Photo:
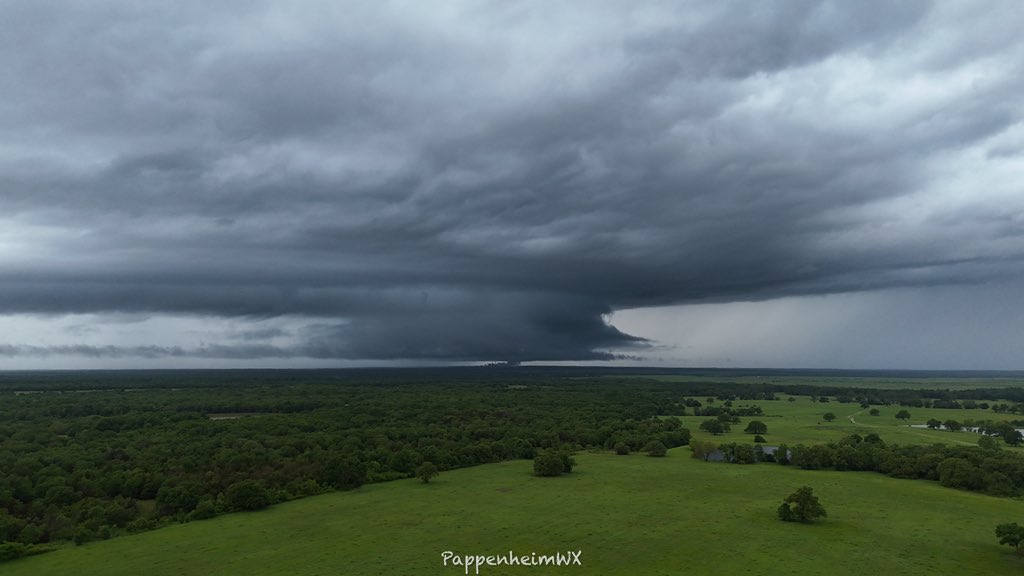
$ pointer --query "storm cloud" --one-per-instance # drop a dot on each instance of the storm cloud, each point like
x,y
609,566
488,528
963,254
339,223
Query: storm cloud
x,y
492,180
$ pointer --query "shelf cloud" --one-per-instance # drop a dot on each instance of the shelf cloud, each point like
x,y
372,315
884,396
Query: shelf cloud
x,y
463,181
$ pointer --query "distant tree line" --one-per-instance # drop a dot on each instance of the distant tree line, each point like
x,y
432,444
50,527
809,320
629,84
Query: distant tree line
x,y
991,471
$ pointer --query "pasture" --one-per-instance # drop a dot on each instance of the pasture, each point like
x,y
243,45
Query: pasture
x,y
801,421
627,514
879,381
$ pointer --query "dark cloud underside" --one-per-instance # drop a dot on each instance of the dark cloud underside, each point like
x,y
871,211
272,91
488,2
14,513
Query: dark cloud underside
x,y
488,182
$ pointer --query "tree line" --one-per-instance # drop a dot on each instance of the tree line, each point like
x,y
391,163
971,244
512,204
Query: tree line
x,y
988,470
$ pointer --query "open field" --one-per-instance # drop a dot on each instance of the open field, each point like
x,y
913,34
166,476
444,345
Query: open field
x,y
628,515
874,382
801,422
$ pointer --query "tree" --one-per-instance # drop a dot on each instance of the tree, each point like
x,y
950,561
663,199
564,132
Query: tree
x,y
426,471
988,443
181,498
934,423
852,439
829,416
782,454
1012,535
728,418
801,506
247,495
739,453
345,473
1013,437
655,448
759,439
205,509
30,534
874,412
547,463
702,449
568,462
903,415
714,426
622,449
756,427
1004,430
952,425
552,463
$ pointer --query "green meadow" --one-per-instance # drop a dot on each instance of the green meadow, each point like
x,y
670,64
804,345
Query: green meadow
x,y
627,514
873,382
801,421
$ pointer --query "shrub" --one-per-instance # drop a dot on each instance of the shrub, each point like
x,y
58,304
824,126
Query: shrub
x,y
426,471
552,463
12,550
205,509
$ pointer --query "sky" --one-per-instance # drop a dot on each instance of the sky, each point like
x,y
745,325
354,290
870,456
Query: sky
x,y
737,184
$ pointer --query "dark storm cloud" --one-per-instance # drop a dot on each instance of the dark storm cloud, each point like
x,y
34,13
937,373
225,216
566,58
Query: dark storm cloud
x,y
458,182
91,351
149,352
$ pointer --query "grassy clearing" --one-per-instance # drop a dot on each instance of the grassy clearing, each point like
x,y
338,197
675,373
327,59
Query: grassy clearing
x,y
628,514
801,422
867,382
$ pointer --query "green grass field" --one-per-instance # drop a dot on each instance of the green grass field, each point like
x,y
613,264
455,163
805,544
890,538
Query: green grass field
x,y
801,422
867,382
628,514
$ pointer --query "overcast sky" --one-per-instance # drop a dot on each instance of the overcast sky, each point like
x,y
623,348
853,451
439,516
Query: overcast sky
x,y
784,184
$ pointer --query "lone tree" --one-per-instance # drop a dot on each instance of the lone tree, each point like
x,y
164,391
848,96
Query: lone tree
x,y
426,471
829,416
805,506
552,463
874,412
903,415
1011,535
934,423
756,427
